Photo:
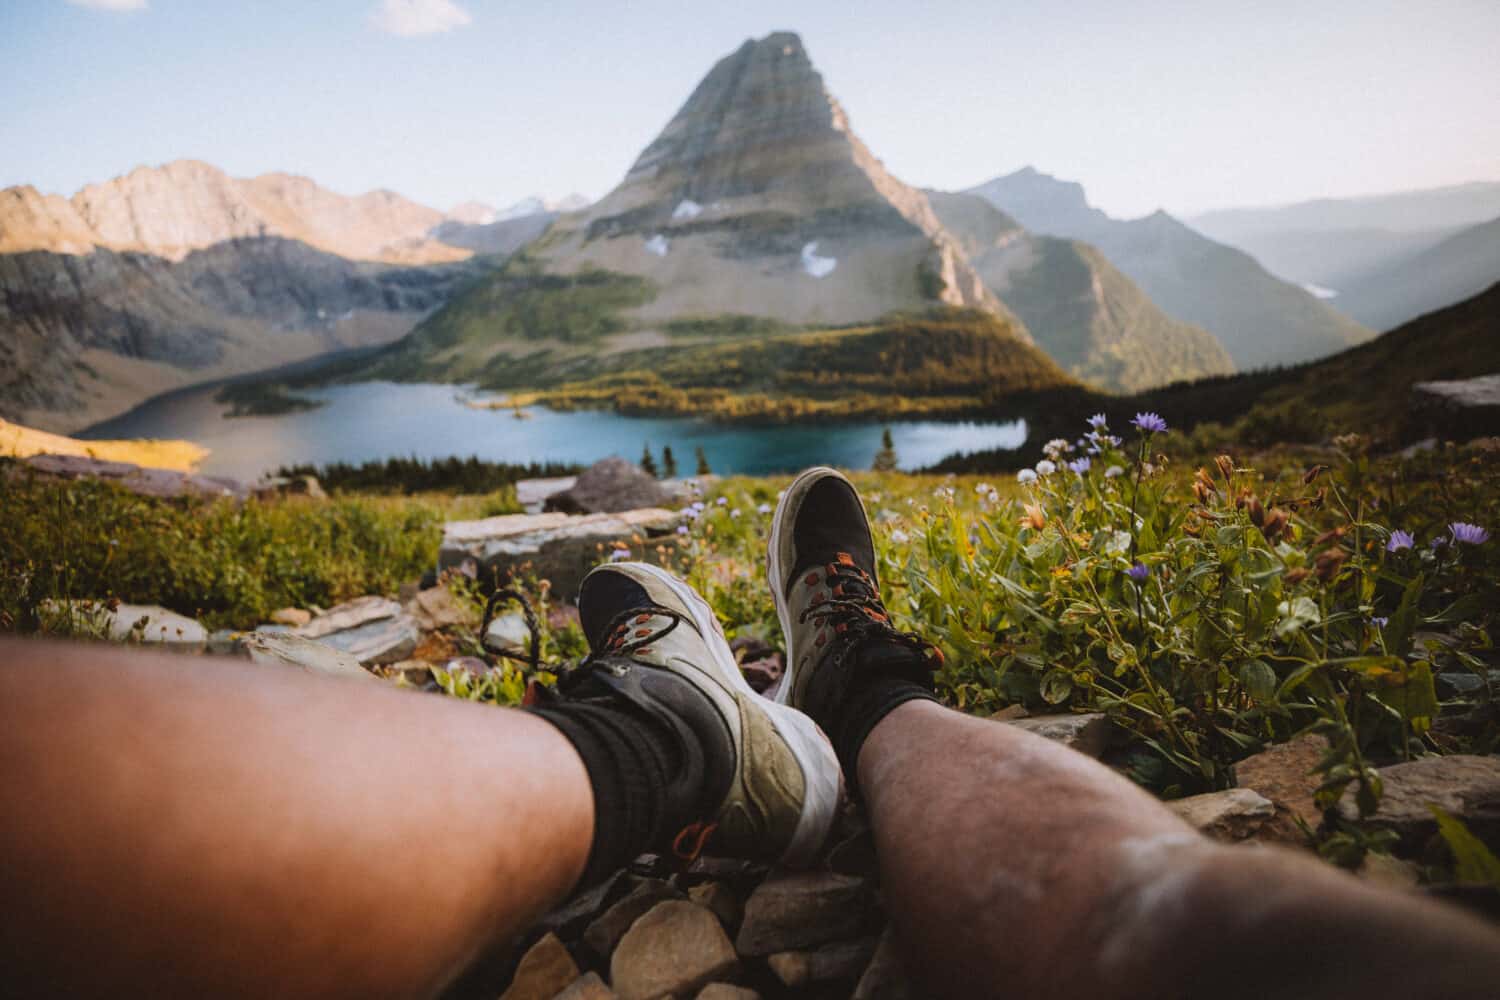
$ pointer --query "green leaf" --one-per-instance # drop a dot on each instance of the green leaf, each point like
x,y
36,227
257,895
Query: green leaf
x,y
1472,861
1057,686
1259,679
1398,632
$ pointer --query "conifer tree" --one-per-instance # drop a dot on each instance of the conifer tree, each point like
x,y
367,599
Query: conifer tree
x,y
648,463
703,469
885,458
668,462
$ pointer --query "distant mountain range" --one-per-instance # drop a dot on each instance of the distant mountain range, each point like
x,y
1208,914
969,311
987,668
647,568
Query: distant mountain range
x,y
1382,259
755,232
1260,319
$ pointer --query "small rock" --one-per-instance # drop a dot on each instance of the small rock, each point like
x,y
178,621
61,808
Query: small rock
x,y
413,672
508,633
561,616
385,640
727,991
140,480
226,642
844,960
289,486
1233,814
587,987
605,932
762,674
545,971
274,630
1284,774
309,654
156,625
609,485
1011,713
799,910
675,948
1393,873
1088,734
295,617
1465,786
437,607
885,977
532,493
720,900
350,614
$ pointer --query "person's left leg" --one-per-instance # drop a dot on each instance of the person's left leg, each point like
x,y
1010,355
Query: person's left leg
x,y
210,827
201,827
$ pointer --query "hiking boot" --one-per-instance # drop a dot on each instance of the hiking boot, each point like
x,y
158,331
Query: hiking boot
x,y
766,783
839,636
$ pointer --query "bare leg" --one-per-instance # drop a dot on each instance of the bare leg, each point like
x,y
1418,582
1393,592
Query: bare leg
x,y
212,828
1016,867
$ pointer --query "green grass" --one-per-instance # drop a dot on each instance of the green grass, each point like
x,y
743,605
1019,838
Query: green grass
x,y
262,399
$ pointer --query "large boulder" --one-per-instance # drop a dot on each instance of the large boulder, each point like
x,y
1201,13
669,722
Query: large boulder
x,y
672,950
1284,773
792,911
609,486
1233,814
145,623
1466,786
556,547
161,483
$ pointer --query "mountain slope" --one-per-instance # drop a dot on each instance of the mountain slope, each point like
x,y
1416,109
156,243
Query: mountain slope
x,y
1083,312
1331,241
179,274
1452,270
1259,319
756,201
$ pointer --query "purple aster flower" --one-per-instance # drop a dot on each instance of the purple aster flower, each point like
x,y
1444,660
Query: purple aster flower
x,y
764,508
1471,534
682,529
1380,622
722,501
619,555
1080,465
1138,572
1151,423
1399,540
1097,422
1438,542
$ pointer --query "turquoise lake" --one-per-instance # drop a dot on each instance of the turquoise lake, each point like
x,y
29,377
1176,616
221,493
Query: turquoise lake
x,y
377,420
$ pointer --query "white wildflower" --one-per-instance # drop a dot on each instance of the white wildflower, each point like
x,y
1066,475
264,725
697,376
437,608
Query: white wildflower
x,y
900,537
1113,471
1045,468
1026,477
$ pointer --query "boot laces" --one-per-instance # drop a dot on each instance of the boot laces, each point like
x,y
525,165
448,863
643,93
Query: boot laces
x,y
628,635
855,613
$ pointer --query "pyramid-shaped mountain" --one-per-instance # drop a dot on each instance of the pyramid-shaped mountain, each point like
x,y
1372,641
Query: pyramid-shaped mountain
x,y
756,209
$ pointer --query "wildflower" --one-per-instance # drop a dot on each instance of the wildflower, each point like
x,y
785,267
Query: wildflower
x,y
1025,477
1113,471
1097,422
1256,510
764,508
722,501
1138,572
689,513
1151,423
1399,540
682,529
1045,468
735,512
1380,621
1080,465
1056,447
993,496
1034,517
698,506
900,537
1295,576
1313,473
1470,534
620,555
1276,522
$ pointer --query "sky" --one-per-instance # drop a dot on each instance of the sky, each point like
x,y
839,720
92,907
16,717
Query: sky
x,y
1186,106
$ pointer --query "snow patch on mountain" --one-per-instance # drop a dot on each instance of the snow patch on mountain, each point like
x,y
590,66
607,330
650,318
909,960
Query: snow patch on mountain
x,y
658,244
818,267
687,208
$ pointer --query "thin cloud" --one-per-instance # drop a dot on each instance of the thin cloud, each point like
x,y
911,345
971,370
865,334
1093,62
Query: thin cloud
x,y
417,17
115,5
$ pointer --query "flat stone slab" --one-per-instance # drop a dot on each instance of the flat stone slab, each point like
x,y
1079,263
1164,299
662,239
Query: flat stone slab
x,y
1088,733
307,654
545,971
558,547
141,480
1465,786
1284,774
386,640
532,493
791,911
350,614
1233,814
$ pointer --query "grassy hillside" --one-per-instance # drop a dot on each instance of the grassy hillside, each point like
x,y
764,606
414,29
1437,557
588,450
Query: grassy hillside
x,y
950,362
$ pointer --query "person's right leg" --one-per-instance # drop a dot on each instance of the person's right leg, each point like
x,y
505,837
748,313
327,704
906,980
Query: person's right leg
x,y
1015,866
